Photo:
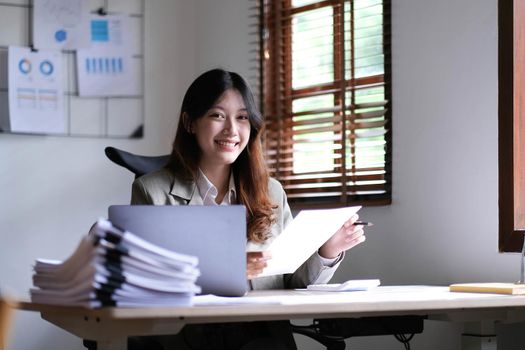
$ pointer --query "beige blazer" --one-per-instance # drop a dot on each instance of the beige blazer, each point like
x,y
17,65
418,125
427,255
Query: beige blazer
x,y
163,188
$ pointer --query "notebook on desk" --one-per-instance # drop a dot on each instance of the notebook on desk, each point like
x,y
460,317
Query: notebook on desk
x,y
215,234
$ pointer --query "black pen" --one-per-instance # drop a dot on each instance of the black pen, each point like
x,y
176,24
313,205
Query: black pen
x,y
363,223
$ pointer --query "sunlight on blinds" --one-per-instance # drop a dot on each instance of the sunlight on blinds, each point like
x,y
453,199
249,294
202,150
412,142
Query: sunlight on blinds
x,y
327,104
312,48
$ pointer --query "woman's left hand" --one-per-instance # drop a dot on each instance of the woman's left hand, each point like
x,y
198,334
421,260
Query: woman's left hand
x,y
347,237
255,263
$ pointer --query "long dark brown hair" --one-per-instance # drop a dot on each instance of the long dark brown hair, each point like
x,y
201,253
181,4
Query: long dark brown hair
x,y
249,170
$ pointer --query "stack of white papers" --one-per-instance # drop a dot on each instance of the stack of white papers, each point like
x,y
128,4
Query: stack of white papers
x,y
112,267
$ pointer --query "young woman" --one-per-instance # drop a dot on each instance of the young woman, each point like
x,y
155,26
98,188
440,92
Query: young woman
x,y
217,159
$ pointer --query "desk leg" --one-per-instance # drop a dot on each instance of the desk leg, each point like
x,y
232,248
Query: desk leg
x,y
114,344
479,336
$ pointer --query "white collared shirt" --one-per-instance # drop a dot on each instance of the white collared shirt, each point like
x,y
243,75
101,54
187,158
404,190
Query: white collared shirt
x,y
209,192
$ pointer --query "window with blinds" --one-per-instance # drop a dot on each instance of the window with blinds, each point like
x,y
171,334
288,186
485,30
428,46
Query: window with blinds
x,y
326,99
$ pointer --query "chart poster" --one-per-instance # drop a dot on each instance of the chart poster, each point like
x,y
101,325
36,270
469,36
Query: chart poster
x,y
61,24
36,96
105,68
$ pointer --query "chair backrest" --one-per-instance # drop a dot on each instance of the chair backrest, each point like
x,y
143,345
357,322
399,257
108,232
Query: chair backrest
x,y
137,164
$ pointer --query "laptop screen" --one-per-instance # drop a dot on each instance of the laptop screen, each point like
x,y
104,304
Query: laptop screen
x,y
215,234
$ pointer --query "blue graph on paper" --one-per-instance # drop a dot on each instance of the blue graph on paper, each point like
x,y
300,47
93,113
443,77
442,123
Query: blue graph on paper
x,y
104,65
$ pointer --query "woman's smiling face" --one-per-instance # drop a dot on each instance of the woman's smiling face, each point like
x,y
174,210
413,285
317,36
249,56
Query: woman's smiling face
x,y
223,132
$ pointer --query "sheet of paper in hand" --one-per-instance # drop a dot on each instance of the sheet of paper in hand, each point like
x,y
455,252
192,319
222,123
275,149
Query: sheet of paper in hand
x,y
309,230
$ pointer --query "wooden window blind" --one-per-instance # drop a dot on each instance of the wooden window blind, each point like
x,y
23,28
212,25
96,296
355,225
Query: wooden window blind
x,y
327,100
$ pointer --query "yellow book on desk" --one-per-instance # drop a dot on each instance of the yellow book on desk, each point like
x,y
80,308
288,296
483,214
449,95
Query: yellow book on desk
x,y
489,287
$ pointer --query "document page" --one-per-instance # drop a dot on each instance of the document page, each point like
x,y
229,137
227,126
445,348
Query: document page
x,y
303,236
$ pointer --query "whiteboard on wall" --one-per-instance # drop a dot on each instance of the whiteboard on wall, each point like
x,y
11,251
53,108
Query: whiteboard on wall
x,y
108,117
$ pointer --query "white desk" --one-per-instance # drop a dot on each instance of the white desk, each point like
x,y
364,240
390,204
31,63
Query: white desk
x,y
110,326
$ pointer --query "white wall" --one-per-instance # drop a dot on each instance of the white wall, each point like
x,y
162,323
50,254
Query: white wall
x,y
442,224
223,35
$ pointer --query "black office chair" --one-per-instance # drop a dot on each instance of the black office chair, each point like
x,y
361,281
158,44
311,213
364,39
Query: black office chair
x,y
329,332
332,332
138,165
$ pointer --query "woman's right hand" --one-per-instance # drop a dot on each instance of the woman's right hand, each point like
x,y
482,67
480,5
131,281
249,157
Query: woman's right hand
x,y
255,263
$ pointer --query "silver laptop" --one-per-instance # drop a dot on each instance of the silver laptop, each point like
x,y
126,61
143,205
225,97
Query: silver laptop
x,y
215,234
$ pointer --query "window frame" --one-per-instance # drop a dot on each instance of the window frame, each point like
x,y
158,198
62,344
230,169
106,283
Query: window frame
x,y
511,122
274,31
